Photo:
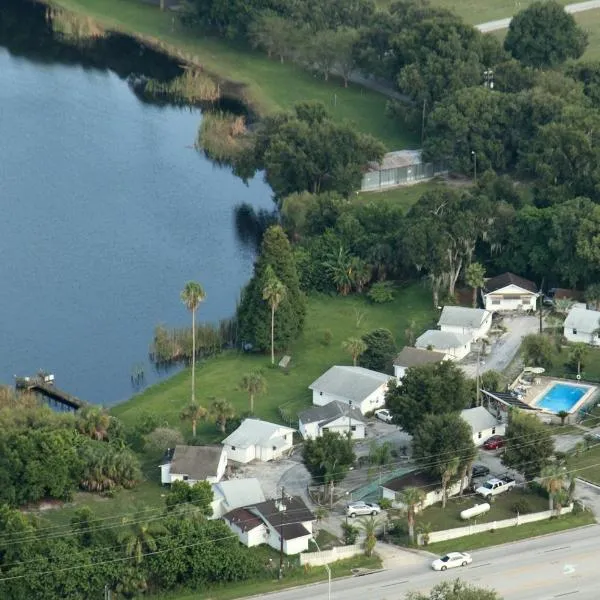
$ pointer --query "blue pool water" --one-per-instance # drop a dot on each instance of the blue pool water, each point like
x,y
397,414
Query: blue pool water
x,y
562,396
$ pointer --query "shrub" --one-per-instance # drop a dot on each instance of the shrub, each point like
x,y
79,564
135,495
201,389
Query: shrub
x,y
538,488
350,534
327,337
521,507
385,503
381,292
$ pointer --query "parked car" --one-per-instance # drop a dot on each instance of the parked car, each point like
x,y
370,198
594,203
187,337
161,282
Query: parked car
x,y
384,414
495,486
451,560
479,471
494,442
362,508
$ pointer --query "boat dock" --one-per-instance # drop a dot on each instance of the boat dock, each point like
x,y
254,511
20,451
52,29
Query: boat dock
x,y
43,384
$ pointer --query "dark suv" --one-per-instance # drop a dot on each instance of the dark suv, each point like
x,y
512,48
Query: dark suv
x,y
480,471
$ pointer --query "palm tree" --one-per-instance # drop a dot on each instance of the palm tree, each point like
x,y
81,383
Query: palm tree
x,y
360,273
339,266
139,538
553,477
410,333
191,296
562,415
355,347
475,278
93,422
274,292
466,466
450,470
194,413
413,499
592,295
369,526
253,383
221,411
563,305
577,355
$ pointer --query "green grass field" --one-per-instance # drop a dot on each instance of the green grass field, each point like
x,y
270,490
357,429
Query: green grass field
x,y
404,196
267,84
220,376
587,464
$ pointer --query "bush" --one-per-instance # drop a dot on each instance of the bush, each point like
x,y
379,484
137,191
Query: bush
x,y
538,488
327,337
385,503
381,292
350,534
521,507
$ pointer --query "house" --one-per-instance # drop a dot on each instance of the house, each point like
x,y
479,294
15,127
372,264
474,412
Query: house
x,y
402,167
483,424
363,388
270,521
430,485
454,345
415,357
235,493
335,416
258,440
474,322
509,292
582,325
193,464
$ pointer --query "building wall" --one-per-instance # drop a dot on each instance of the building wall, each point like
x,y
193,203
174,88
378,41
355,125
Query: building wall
x,y
341,426
296,545
581,336
254,537
321,398
479,437
241,455
388,178
165,473
399,373
432,497
459,352
308,431
475,333
374,400
510,297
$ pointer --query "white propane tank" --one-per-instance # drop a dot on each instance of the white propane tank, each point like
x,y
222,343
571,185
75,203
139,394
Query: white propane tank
x,y
478,509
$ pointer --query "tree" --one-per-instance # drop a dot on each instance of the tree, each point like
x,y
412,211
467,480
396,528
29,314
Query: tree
x,y
140,537
412,498
592,295
162,438
221,411
345,40
455,590
93,422
450,470
380,350
369,527
536,350
253,384
192,295
355,347
529,444
198,496
475,277
274,292
562,415
577,355
553,479
429,389
194,413
543,36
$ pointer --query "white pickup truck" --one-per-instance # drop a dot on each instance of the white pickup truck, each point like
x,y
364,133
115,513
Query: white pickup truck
x,y
493,487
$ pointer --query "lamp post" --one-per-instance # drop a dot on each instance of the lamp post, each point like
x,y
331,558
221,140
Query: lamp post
x,y
350,419
328,572
474,155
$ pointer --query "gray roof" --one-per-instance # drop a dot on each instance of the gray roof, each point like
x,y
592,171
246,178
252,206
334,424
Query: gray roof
x,y
478,418
441,340
288,521
197,462
415,357
254,432
462,316
239,492
330,412
349,383
582,319
501,281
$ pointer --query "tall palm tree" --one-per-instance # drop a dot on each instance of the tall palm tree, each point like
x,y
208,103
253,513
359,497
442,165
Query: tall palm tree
x,y
253,383
475,278
369,526
139,538
194,413
192,295
355,347
563,305
93,422
221,411
450,470
274,292
413,499
577,355
339,267
553,477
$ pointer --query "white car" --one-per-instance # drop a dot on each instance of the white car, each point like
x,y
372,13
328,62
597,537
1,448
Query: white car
x,y
384,414
362,508
451,560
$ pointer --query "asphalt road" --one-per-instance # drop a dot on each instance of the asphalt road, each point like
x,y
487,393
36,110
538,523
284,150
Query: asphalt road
x,y
564,565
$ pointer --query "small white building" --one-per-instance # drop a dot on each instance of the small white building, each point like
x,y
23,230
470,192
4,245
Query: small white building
x,y
193,464
415,357
258,440
337,417
430,485
474,322
509,292
363,388
454,345
235,493
250,529
582,325
483,424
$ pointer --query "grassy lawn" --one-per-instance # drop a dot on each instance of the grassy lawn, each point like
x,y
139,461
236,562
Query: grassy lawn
x,y
404,196
590,370
587,464
266,85
512,534
219,377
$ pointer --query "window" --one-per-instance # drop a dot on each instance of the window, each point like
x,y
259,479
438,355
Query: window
x,y
512,297
185,477
479,435
274,448
493,430
320,393
233,447
496,300
526,300
353,428
325,429
574,331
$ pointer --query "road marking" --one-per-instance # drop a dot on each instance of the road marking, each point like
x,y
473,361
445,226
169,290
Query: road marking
x,y
569,570
482,565
555,549
566,594
395,583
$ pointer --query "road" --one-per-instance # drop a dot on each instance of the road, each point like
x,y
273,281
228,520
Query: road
x,y
562,565
570,8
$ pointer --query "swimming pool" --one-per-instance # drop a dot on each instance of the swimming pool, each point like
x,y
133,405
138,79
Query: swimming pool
x,y
562,396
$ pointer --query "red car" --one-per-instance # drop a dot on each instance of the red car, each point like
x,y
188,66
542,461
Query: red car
x,y
493,443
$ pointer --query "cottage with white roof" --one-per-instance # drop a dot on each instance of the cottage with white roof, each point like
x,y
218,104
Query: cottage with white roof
x,y
336,417
483,424
234,493
454,345
474,322
582,325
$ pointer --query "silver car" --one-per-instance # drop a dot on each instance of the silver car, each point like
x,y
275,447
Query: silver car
x,y
354,509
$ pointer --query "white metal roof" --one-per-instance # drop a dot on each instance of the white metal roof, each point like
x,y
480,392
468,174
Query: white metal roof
x,y
254,432
463,316
239,492
582,319
441,340
349,383
478,418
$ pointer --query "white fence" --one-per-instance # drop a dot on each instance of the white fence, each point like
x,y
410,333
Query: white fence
x,y
450,534
328,556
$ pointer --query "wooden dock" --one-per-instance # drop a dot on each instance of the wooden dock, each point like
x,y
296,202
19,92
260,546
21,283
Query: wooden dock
x,y
44,385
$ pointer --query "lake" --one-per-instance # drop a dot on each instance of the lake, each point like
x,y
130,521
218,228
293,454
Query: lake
x,y
107,210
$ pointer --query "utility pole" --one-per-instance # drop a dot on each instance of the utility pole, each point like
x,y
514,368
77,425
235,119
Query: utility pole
x,y
540,300
281,533
349,420
423,121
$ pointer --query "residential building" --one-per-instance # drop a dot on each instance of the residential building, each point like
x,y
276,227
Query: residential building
x,y
194,463
474,322
582,325
483,424
363,388
337,417
415,357
258,440
235,493
509,292
454,345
